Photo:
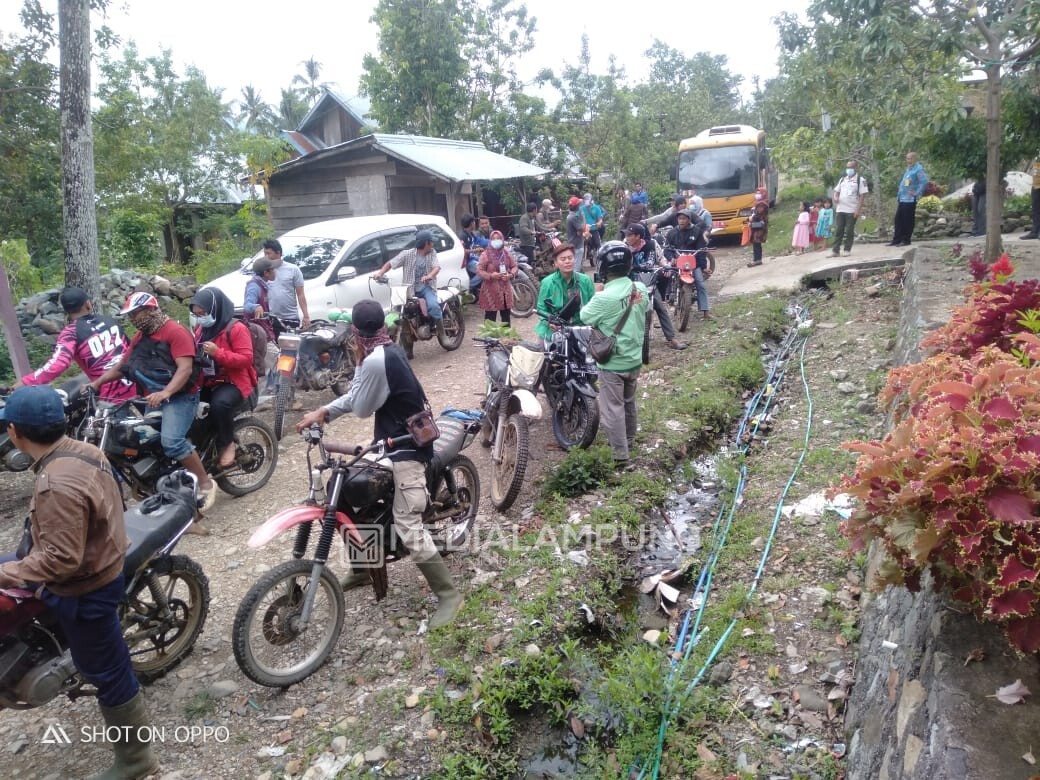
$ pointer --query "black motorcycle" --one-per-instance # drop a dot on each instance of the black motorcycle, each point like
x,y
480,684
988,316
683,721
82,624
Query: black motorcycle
x,y
13,459
568,378
409,322
163,611
320,357
129,435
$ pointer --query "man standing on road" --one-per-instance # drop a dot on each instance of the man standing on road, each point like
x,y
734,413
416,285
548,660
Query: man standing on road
x,y
911,188
385,386
286,291
75,565
527,228
850,193
577,230
1035,194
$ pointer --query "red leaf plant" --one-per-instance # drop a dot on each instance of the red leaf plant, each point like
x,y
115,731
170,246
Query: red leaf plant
x,y
991,316
953,488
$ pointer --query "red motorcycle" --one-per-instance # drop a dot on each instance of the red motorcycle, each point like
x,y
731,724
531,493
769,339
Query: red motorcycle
x,y
683,289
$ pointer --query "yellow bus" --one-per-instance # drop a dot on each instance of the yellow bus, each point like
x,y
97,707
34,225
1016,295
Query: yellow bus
x,y
725,165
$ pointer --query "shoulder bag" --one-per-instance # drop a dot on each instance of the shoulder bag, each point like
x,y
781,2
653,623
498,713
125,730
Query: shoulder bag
x,y
422,426
601,346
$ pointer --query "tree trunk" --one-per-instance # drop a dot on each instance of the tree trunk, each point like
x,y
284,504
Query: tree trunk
x,y
880,208
994,179
77,148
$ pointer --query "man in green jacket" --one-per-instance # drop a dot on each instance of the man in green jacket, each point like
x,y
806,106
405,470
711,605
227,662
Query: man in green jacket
x,y
618,375
558,287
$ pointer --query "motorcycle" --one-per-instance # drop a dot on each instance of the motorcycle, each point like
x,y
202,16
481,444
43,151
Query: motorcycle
x,y
683,289
322,356
568,377
524,284
409,322
290,620
129,435
509,403
13,459
162,613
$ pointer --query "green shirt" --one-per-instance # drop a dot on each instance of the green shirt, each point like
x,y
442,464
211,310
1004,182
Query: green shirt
x,y
604,311
556,291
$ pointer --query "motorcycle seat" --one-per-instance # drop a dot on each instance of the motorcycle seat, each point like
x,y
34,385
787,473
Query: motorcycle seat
x,y
449,443
154,522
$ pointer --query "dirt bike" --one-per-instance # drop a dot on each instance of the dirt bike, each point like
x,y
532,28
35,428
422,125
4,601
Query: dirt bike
x,y
544,263
162,614
409,322
509,403
322,356
525,284
13,459
290,620
129,434
684,285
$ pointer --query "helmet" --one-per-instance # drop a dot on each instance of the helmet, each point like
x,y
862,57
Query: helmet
x,y
139,300
614,258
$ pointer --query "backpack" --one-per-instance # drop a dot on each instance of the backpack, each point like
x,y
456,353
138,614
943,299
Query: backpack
x,y
259,338
151,366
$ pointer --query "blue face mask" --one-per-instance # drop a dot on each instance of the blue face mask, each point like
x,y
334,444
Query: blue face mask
x,y
496,244
850,171
203,321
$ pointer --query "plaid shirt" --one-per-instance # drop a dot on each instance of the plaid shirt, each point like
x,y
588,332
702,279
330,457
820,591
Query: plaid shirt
x,y
415,266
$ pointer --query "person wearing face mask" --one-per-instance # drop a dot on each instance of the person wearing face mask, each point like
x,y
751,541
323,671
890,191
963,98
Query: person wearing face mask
x,y
228,375
850,193
496,268
161,360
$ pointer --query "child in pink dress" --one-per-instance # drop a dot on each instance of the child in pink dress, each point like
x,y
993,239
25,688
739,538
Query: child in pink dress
x,y
800,236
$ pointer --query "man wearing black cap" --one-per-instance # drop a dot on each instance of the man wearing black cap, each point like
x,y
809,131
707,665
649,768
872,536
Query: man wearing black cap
x,y
93,342
385,386
420,272
75,565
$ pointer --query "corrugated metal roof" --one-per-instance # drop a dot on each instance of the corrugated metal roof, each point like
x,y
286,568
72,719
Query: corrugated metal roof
x,y
454,160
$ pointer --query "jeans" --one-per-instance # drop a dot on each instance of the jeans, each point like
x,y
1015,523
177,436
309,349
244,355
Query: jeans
x,y
474,278
579,254
667,328
90,623
978,215
433,306
702,290
178,413
223,400
617,409
906,216
528,252
756,252
844,227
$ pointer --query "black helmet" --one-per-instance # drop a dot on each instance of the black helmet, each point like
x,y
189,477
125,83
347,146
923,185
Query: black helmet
x,y
614,258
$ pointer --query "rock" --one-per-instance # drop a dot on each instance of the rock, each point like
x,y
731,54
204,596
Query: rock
x,y
427,719
810,699
411,701
839,375
299,712
160,285
848,388
492,642
532,650
866,407
222,688
294,766
816,596
652,636
357,760
720,674
376,754
338,745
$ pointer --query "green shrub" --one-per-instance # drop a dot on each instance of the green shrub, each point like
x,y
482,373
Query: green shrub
x,y
796,193
743,371
24,278
1018,206
581,471
930,204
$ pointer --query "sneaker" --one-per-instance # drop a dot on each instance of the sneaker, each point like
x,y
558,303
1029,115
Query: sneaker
x,y
835,253
676,344
1028,237
846,252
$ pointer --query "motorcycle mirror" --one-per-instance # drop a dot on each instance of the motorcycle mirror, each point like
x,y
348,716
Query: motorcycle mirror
x,y
571,307
551,307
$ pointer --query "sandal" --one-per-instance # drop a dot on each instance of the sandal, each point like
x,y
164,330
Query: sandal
x,y
207,497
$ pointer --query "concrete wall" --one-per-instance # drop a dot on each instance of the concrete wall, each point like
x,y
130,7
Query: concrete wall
x,y
917,710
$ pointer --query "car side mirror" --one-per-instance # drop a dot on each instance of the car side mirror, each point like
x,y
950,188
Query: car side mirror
x,y
346,273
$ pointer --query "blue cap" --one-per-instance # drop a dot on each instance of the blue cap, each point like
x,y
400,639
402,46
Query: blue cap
x,y
34,405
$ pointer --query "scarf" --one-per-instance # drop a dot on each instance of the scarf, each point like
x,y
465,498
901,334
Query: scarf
x,y
219,306
150,321
365,344
497,256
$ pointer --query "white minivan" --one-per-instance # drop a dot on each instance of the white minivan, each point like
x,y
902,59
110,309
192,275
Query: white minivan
x,y
337,257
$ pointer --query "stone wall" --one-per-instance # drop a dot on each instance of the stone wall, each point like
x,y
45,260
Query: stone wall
x,y
918,709
40,316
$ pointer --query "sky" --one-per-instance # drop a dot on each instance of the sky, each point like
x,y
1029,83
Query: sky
x,y
264,42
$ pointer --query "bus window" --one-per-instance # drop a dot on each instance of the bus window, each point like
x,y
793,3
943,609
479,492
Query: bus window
x,y
719,171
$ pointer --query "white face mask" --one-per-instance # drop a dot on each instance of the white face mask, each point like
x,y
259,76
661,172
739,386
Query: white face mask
x,y
850,171
202,321
496,244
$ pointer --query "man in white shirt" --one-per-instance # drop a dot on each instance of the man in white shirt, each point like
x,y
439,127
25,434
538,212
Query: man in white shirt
x,y
850,193
286,290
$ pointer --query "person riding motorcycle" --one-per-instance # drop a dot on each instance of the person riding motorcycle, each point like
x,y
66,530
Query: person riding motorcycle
x,y
385,386
646,256
93,341
473,243
688,236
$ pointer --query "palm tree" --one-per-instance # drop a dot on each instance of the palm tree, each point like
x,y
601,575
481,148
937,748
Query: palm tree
x,y
291,109
309,79
254,114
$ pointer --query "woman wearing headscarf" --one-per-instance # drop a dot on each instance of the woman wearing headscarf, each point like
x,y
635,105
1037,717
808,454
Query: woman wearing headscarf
x,y
228,375
497,268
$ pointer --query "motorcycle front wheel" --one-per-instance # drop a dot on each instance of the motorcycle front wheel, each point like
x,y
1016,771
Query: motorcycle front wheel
x,y
682,309
452,522
270,646
163,615
577,425
507,473
256,455
453,329
525,295
282,404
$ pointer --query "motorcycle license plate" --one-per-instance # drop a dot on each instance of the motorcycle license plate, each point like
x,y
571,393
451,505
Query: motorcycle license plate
x,y
718,224
286,364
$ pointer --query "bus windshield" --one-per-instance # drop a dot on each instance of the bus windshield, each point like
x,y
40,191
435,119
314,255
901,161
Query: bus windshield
x,y
719,171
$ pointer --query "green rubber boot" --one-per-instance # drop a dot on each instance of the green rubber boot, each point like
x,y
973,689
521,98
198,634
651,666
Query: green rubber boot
x,y
356,579
134,756
450,600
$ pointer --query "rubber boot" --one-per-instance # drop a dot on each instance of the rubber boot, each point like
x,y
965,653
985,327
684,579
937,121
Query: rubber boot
x,y
450,600
356,579
134,756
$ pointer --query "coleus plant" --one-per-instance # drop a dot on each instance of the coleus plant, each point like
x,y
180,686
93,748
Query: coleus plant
x,y
953,488
990,317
